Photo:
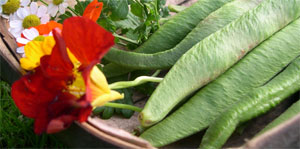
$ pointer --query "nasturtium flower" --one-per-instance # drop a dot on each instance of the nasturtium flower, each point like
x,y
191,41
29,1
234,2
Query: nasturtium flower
x,y
88,44
28,17
34,50
93,10
57,6
99,89
66,84
41,94
37,33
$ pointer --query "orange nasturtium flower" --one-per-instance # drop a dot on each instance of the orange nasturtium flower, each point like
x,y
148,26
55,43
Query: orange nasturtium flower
x,y
65,84
93,10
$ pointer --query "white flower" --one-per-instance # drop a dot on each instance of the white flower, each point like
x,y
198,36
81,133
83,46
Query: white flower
x,y
9,7
29,35
57,5
28,17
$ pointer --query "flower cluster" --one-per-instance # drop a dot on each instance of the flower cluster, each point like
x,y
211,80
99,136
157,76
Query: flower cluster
x,y
62,84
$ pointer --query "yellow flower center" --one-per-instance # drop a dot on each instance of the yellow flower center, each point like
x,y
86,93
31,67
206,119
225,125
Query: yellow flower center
x,y
57,2
31,21
39,38
11,6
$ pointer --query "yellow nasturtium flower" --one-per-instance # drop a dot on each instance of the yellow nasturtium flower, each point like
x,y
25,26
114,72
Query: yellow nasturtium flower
x,y
101,93
34,50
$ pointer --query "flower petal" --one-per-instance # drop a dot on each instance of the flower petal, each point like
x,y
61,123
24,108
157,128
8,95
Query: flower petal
x,y
45,19
22,13
80,33
65,5
25,3
13,16
93,10
58,64
98,78
2,2
59,124
33,8
101,100
30,93
41,123
54,11
50,6
33,51
30,33
22,40
45,29
15,24
51,9
42,10
61,9
20,50
16,32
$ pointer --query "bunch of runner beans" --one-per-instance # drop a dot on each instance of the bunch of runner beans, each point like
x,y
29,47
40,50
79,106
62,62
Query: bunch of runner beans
x,y
230,60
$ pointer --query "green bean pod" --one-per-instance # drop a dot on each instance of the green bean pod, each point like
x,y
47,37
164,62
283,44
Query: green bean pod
x,y
107,113
113,70
166,59
127,100
215,54
257,102
179,26
172,32
254,70
289,113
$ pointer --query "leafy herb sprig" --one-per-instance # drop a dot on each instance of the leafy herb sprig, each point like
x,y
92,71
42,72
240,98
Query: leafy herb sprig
x,y
131,21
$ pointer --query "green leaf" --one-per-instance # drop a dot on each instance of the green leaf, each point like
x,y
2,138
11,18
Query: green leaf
x,y
137,10
64,16
81,5
119,9
132,22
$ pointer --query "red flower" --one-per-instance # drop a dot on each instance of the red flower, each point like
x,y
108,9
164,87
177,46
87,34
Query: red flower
x,y
43,94
89,44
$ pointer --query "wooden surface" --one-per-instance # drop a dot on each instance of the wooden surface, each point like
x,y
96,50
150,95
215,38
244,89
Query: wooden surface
x,y
9,70
111,133
286,135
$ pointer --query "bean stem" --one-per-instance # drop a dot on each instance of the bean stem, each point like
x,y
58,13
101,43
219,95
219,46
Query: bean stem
x,y
71,9
155,74
136,82
78,2
123,106
126,39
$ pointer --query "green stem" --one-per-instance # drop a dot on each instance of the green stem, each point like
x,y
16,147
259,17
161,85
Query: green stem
x,y
157,13
121,43
126,39
71,9
136,82
123,106
156,73
78,2
44,2
176,8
